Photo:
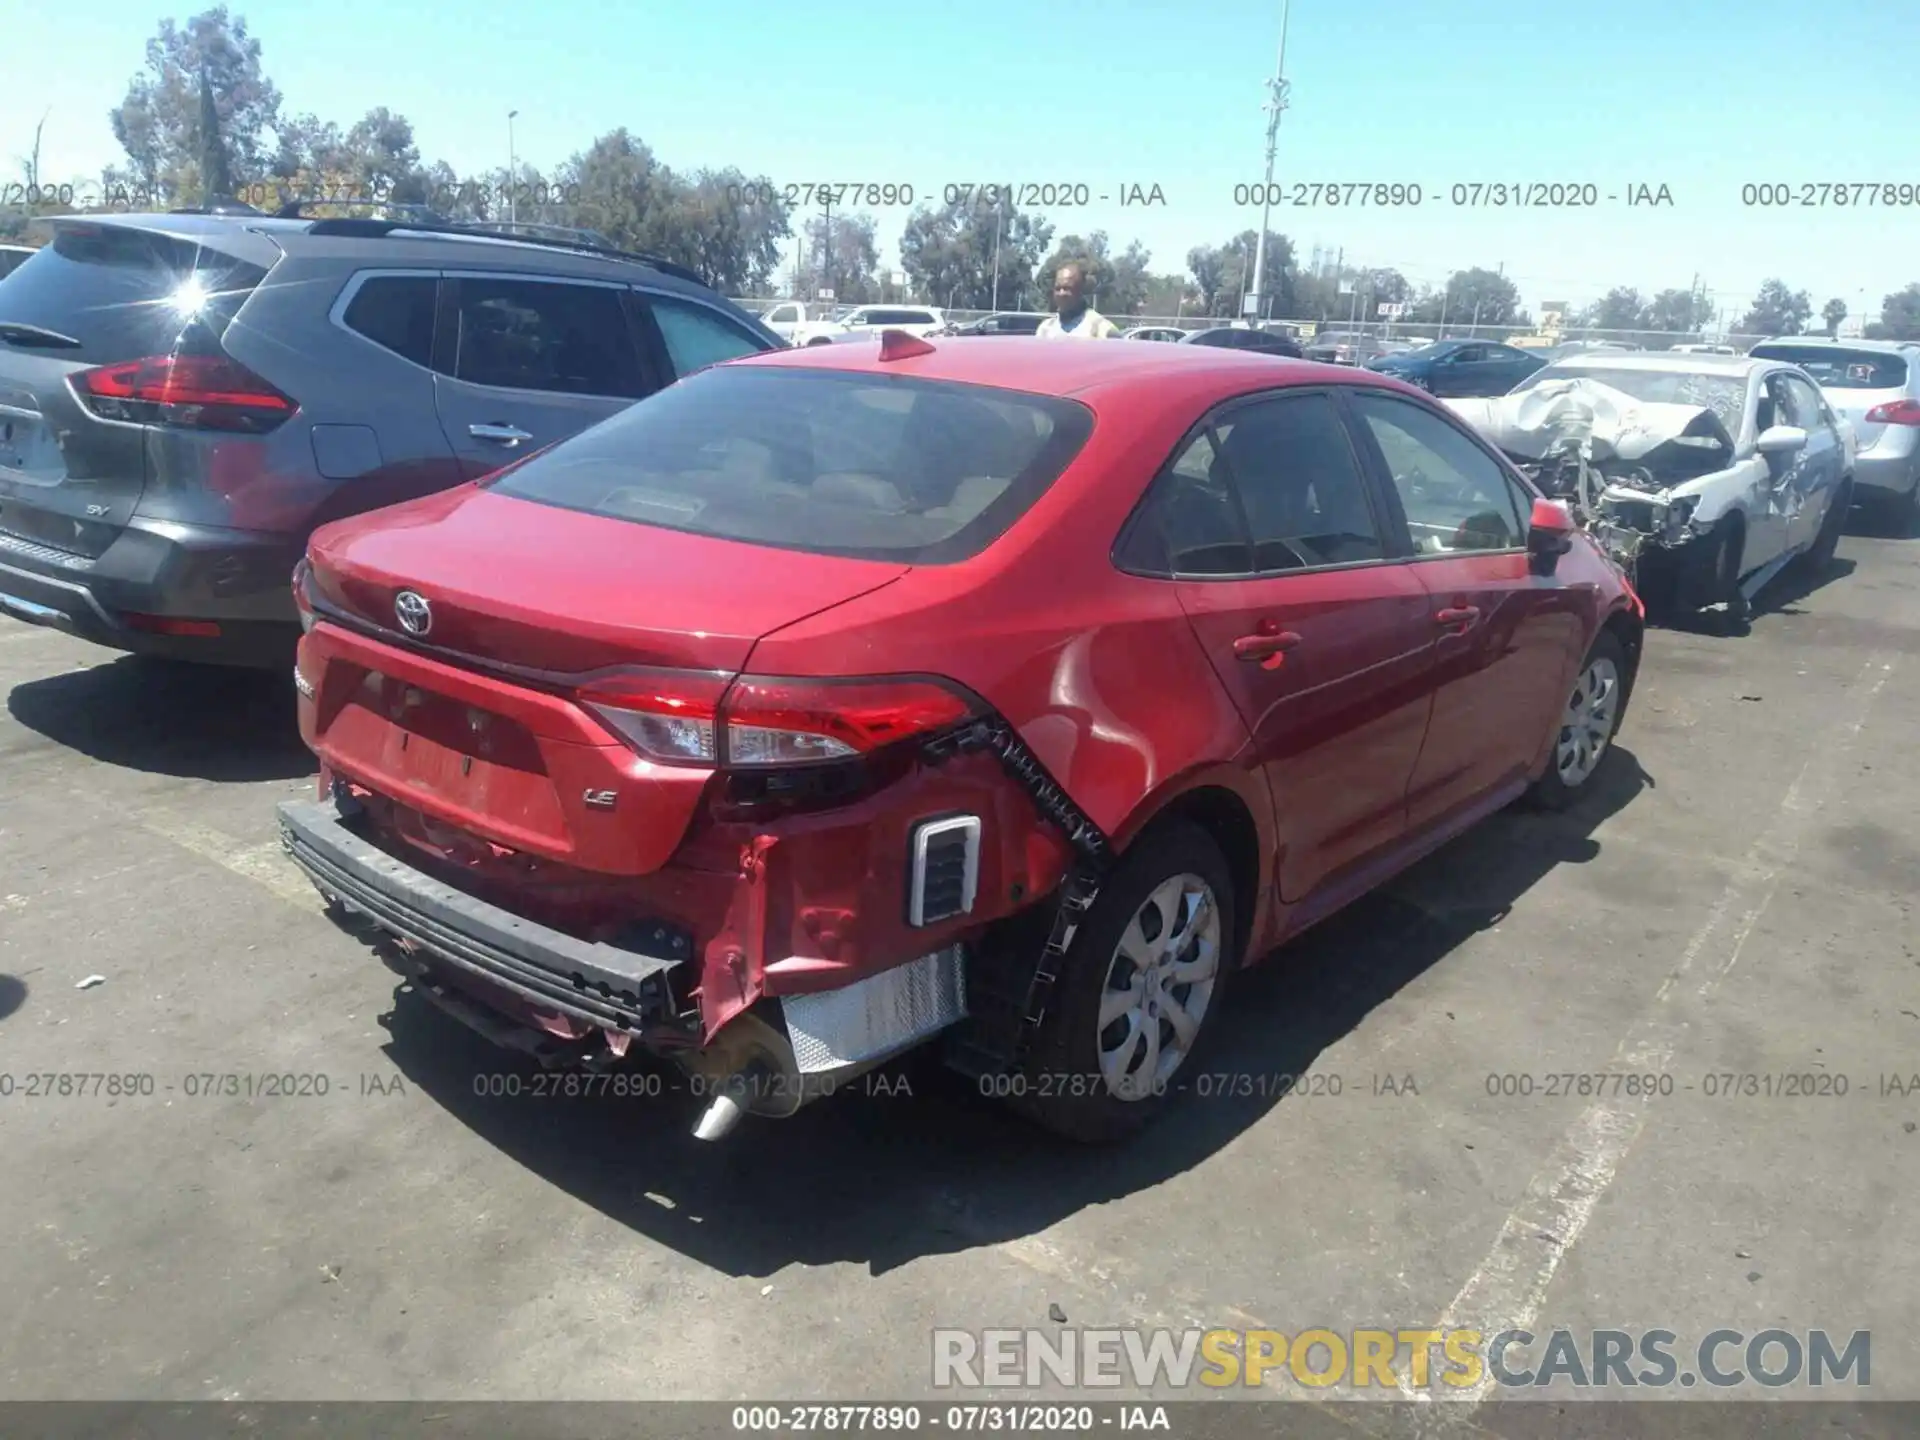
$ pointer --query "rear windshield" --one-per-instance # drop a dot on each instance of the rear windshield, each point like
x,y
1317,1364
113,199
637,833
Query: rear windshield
x,y
123,293
1837,369
1724,395
861,465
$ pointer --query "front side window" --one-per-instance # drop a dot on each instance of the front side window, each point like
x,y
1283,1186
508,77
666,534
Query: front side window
x,y
536,335
1456,497
1301,485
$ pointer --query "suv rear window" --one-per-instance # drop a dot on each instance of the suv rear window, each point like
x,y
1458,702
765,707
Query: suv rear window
x,y
1840,369
866,466
124,293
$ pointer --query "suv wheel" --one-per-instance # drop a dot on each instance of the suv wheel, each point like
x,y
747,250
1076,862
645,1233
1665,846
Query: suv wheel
x,y
1587,725
1137,989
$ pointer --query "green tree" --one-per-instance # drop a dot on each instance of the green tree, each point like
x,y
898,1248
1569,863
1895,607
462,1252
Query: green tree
x,y
158,123
1900,315
852,256
1777,310
1679,312
215,176
1622,308
1482,297
1833,312
948,252
1116,284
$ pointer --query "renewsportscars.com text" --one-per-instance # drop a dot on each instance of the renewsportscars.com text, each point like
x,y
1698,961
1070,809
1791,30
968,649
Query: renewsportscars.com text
x,y
1397,1359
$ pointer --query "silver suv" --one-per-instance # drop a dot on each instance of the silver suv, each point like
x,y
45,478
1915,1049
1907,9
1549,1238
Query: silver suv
x,y
1875,385
184,397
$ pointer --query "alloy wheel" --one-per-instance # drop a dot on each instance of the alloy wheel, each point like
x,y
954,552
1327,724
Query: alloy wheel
x,y
1159,983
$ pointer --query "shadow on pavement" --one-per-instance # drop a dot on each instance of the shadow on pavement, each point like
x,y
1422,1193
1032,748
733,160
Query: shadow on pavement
x,y
13,994
915,1162
199,722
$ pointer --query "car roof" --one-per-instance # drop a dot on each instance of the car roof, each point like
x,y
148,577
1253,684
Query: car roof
x,y
1883,347
263,239
1693,364
1044,367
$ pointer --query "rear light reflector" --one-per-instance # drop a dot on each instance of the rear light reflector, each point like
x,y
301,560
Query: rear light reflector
x,y
1896,412
191,392
168,625
698,718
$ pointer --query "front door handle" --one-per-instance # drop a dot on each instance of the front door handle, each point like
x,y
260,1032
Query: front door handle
x,y
1461,615
1264,647
499,434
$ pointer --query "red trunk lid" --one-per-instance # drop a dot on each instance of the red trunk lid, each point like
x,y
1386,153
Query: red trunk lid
x,y
556,590
540,588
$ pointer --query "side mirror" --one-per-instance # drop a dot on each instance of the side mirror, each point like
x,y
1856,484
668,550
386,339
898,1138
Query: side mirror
x,y
1550,532
1782,440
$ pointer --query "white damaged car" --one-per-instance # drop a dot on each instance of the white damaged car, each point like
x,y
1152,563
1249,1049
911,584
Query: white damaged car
x,y
1703,475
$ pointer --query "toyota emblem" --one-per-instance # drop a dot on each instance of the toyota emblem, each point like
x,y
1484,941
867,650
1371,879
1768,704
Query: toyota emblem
x,y
414,613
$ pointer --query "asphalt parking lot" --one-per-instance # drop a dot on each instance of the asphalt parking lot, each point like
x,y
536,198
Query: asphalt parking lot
x,y
1739,899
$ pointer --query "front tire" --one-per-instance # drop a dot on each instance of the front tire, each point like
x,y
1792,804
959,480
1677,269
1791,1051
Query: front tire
x,y
1137,989
1827,543
1587,725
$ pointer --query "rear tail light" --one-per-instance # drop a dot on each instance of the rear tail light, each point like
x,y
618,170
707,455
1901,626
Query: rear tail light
x,y
190,392
1895,412
303,594
698,718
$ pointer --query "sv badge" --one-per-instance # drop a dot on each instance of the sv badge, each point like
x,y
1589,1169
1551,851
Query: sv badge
x,y
601,799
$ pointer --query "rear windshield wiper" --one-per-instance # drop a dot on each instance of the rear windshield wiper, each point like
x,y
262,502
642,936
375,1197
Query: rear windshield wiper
x,y
16,333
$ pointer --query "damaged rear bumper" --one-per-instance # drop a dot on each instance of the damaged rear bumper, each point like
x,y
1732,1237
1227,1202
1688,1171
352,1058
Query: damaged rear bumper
x,y
569,1001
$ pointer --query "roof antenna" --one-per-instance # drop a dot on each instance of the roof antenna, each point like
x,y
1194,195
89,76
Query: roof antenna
x,y
899,345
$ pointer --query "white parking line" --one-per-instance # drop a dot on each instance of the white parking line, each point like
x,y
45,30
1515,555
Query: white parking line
x,y
264,864
1508,1289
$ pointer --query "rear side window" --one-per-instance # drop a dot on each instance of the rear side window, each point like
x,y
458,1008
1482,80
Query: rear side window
x,y
123,293
538,335
1838,368
834,463
1455,495
1190,523
396,311
697,336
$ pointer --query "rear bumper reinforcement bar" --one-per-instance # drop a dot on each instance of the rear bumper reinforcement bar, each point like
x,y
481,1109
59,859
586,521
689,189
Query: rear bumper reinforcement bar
x,y
596,982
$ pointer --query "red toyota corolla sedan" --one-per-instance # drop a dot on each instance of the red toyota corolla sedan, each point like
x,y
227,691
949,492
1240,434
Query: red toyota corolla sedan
x,y
1011,694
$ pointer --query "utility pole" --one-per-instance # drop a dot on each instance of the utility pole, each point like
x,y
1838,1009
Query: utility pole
x,y
826,242
999,224
512,165
1276,103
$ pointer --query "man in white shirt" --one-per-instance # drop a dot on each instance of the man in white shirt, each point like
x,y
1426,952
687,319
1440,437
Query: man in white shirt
x,y
1077,320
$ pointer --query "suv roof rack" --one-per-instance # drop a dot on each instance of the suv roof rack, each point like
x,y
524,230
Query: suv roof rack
x,y
374,229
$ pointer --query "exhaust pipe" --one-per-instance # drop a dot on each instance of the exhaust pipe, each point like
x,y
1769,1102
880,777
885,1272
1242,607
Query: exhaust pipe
x,y
719,1118
748,1069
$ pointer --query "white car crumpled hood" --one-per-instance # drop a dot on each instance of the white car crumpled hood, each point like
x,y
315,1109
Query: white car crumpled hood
x,y
1664,447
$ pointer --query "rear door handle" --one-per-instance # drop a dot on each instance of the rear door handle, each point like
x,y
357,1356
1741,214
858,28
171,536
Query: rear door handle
x,y
499,434
1462,615
1262,647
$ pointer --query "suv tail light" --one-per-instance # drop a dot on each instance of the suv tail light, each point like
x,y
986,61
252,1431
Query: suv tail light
x,y
188,392
757,721
1895,412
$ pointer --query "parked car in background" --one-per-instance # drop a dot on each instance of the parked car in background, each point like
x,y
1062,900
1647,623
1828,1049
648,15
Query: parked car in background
x,y
1705,474
916,320
1344,347
1239,337
1460,367
12,257
796,716
801,324
1704,350
1584,347
1169,334
1001,322
187,396
1874,385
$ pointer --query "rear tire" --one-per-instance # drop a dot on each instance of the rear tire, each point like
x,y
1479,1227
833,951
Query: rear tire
x,y
1160,942
1588,724
1902,511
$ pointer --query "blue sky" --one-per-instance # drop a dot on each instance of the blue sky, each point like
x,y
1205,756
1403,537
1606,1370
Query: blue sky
x,y
1702,98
